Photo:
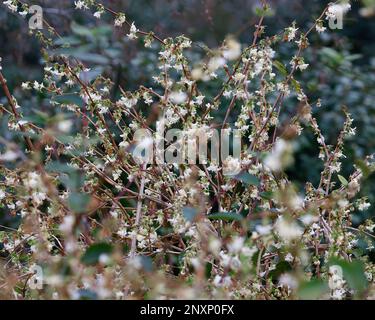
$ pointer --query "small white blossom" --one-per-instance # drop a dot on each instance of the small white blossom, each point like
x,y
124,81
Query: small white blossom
x,y
80,5
120,20
133,32
178,97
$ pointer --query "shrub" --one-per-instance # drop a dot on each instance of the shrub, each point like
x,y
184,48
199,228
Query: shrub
x,y
104,213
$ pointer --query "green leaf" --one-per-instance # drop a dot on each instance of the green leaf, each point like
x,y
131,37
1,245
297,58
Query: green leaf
x,y
226,216
263,12
353,57
247,178
146,263
93,253
91,57
312,290
69,40
91,75
85,294
71,177
259,12
69,99
102,31
78,202
267,195
56,166
189,213
81,30
366,171
296,85
208,270
343,181
353,272
331,57
38,118
281,67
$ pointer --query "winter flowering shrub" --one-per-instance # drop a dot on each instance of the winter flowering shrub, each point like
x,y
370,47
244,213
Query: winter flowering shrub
x,y
117,200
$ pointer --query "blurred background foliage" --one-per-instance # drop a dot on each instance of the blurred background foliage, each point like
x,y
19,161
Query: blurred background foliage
x,y
341,71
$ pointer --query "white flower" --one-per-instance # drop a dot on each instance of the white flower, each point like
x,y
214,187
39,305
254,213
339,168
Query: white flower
x,y
289,257
199,100
288,230
337,10
9,156
11,6
39,197
33,180
231,166
116,174
2,194
68,223
288,281
238,77
279,157
291,32
98,14
320,28
215,63
145,143
178,97
226,187
338,294
128,102
103,109
188,172
212,168
80,5
23,13
11,206
25,85
147,98
65,125
101,130
124,144
296,202
308,219
283,87
122,233
214,245
120,20
38,86
371,227
336,282
219,281
302,66
236,245
335,167
69,83
232,50
363,205
263,230
133,32
227,93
